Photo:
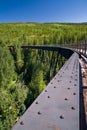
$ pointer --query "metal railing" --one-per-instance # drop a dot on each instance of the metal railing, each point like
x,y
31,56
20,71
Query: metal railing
x,y
80,47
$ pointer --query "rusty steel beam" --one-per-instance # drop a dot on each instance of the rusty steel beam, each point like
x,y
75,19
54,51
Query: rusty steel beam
x,y
57,107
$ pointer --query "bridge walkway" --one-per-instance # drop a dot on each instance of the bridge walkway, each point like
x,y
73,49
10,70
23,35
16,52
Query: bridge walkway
x,y
57,107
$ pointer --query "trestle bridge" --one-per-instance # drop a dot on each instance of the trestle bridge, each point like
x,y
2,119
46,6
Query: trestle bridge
x,y
63,103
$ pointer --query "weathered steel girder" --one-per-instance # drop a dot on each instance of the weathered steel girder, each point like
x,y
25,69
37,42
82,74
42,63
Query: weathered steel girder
x,y
66,52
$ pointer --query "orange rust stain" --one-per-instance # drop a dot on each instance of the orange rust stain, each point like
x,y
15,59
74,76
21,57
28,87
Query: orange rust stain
x,y
58,129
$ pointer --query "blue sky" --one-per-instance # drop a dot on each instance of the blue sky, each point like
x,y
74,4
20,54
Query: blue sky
x,y
43,11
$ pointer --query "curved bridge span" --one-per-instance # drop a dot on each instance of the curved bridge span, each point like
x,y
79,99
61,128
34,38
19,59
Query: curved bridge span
x,y
60,106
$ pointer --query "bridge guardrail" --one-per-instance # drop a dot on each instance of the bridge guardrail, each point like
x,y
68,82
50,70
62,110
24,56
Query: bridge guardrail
x,y
79,46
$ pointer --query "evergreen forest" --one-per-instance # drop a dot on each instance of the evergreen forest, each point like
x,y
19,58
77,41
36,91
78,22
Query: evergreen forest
x,y
24,73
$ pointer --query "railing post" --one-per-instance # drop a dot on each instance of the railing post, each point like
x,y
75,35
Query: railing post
x,y
77,45
82,47
85,46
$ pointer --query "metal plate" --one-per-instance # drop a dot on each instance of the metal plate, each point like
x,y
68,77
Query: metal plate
x,y
57,107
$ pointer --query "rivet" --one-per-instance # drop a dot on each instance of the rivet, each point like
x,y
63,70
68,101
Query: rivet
x,y
22,123
37,103
66,99
61,117
71,76
54,86
74,93
58,80
39,113
72,108
48,96
75,79
75,84
70,81
45,90
68,88
51,83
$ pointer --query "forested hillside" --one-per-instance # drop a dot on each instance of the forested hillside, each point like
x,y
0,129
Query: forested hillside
x,y
34,33
24,73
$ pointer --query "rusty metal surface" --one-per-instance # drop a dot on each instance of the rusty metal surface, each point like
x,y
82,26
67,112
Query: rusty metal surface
x,y
57,107
83,64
